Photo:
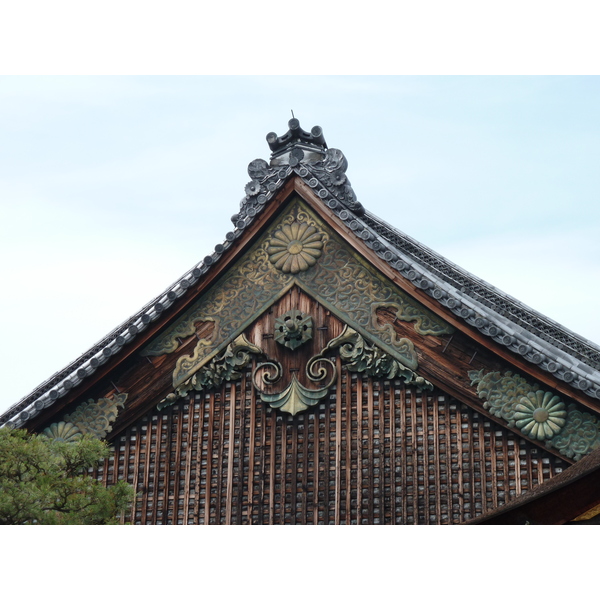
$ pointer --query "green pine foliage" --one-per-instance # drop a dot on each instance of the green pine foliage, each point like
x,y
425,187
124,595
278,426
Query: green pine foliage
x,y
46,482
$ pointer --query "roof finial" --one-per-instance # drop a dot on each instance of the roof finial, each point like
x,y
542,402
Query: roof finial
x,y
306,146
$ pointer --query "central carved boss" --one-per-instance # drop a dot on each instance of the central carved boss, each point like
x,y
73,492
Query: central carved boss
x,y
293,328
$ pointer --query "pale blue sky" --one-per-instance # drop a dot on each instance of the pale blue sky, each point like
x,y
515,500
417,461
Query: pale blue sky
x,y
112,187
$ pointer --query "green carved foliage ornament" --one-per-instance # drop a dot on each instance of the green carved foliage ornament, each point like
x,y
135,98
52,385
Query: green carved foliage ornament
x,y
330,271
539,414
226,366
295,397
92,417
358,356
424,323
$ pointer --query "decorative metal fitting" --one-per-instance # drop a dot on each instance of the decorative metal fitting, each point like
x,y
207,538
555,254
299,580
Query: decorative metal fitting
x,y
293,328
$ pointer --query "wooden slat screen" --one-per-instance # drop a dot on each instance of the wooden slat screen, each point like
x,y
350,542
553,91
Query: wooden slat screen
x,y
373,452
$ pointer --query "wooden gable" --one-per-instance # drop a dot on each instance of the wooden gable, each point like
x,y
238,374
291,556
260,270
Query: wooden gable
x,y
304,376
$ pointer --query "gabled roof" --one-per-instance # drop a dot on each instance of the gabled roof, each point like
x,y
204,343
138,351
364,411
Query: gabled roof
x,y
298,154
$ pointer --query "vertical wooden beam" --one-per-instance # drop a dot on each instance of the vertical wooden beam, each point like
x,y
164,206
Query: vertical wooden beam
x,y
371,462
316,463
326,444
229,498
484,499
436,446
338,440
136,466
305,446
252,442
404,452
292,467
167,446
177,467
189,456
393,451
209,461
219,507
359,447
348,446
199,445
272,467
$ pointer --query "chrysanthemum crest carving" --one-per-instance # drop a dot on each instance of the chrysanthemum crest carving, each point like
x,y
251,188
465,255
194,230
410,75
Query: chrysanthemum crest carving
x,y
91,417
540,415
295,247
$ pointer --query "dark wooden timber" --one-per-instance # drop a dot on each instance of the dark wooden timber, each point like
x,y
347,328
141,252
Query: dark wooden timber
x,y
557,501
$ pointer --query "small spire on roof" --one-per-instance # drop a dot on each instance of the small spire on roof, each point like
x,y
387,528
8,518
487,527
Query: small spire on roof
x,y
297,145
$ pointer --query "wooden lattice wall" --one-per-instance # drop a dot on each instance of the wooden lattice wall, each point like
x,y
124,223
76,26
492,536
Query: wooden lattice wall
x,y
373,452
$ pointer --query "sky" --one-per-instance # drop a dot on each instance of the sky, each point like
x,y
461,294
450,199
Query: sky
x,y
112,187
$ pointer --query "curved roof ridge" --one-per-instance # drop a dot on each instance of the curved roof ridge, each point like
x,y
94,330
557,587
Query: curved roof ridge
x,y
461,272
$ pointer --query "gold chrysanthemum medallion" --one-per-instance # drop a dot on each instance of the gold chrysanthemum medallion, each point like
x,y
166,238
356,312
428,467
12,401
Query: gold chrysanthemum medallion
x,y
295,247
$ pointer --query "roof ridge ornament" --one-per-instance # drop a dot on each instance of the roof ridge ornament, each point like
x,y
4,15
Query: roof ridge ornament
x,y
296,145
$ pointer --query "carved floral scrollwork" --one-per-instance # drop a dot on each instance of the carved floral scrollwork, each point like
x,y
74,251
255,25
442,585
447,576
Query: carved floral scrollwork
x,y
538,414
340,279
91,417
295,397
502,392
579,436
359,356
226,366
424,323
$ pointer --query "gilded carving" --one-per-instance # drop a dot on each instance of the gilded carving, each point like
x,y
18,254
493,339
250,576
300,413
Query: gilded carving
x,y
91,417
169,342
424,323
340,280
226,366
539,414
359,356
94,417
295,397
295,247
293,329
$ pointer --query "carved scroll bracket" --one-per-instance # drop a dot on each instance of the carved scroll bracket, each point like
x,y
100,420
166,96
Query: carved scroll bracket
x,y
226,366
295,397
359,356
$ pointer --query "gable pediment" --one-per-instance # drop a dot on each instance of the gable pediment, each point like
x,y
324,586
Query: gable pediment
x,y
313,307
338,277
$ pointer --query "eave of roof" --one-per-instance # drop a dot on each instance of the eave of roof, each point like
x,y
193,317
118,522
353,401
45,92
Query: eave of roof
x,y
556,501
539,340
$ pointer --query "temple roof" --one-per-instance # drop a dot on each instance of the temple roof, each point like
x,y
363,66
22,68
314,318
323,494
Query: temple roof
x,y
567,356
